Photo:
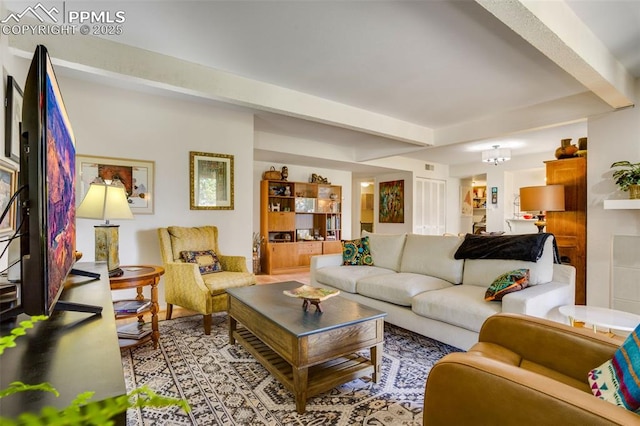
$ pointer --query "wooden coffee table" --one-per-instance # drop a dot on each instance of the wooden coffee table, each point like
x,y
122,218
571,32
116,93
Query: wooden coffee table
x,y
309,352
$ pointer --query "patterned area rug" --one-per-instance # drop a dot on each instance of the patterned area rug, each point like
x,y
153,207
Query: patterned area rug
x,y
225,385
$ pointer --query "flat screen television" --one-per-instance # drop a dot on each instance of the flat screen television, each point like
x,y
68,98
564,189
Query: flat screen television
x,y
47,201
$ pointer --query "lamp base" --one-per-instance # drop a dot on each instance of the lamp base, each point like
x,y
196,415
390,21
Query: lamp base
x,y
107,246
540,223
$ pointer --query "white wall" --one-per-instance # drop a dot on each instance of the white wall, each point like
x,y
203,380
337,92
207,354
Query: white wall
x,y
128,124
612,137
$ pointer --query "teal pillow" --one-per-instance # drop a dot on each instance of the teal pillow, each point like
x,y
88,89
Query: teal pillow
x,y
356,252
616,381
506,283
207,260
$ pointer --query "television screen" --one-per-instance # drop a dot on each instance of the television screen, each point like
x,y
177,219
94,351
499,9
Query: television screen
x,y
47,170
59,188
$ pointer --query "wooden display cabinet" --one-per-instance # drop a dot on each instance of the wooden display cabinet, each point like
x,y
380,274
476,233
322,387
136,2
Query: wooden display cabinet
x,y
298,220
570,226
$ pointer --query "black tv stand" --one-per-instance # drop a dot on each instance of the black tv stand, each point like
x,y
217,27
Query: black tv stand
x,y
80,272
63,305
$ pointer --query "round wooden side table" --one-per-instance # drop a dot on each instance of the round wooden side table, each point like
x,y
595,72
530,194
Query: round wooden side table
x,y
139,276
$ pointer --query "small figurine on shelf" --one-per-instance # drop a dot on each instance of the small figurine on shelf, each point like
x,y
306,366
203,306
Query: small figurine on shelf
x,y
287,191
285,172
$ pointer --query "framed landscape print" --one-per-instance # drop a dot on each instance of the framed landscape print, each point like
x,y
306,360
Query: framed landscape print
x,y
136,175
391,202
211,177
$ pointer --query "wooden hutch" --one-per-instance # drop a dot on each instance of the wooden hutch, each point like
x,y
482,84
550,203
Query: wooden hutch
x,y
298,220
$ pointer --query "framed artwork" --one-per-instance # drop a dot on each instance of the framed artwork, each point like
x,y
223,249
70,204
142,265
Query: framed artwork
x,y
391,202
211,181
8,184
136,175
12,120
466,201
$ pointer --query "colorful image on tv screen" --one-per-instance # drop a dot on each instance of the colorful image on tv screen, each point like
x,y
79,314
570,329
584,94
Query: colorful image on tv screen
x,y
61,204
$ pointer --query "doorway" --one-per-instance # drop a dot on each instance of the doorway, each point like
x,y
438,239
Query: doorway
x,y
366,206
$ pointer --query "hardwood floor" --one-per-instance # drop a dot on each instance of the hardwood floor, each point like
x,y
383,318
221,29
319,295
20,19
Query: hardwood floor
x,y
302,277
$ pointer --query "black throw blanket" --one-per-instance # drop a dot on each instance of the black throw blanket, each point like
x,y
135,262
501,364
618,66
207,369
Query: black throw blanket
x,y
517,247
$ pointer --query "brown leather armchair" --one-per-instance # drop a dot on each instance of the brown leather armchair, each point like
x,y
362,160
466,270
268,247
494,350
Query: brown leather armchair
x,y
523,371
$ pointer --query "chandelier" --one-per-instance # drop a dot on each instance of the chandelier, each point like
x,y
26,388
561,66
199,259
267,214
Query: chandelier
x,y
496,155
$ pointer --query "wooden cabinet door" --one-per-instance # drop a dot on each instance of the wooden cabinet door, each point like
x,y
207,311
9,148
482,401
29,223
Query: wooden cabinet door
x,y
306,250
280,256
281,221
331,247
570,226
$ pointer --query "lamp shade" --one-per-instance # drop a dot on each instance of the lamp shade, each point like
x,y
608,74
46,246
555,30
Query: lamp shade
x,y
105,202
542,198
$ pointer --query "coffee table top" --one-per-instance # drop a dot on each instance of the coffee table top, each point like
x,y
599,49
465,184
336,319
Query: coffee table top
x,y
603,317
287,312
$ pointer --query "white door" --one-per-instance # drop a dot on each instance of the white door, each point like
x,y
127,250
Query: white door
x,y
429,206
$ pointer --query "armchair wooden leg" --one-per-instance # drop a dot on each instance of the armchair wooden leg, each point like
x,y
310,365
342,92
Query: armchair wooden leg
x,y
207,324
169,311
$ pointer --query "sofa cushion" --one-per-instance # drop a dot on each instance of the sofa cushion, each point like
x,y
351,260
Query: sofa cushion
x,y
345,277
506,283
433,255
398,288
616,380
461,305
386,249
356,252
482,272
220,282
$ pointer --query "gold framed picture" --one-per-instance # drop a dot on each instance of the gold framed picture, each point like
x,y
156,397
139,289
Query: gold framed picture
x,y
211,177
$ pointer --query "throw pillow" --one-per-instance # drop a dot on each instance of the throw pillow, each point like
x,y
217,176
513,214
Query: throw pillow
x,y
616,381
506,283
207,260
356,252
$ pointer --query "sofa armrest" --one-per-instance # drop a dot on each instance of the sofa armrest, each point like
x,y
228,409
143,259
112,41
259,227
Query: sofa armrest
x,y
233,263
569,350
464,388
540,300
184,286
322,261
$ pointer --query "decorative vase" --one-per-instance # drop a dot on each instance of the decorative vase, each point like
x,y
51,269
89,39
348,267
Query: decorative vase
x,y
582,147
566,150
634,192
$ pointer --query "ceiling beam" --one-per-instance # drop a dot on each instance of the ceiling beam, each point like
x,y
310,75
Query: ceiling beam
x,y
130,64
555,30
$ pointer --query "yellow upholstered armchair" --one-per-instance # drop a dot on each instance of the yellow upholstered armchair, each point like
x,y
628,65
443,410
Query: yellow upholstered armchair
x,y
185,286
523,371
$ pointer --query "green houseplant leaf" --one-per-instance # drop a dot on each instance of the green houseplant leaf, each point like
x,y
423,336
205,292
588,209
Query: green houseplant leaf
x,y
626,174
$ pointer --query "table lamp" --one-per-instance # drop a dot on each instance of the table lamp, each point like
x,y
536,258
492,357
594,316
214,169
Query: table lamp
x,y
106,200
547,198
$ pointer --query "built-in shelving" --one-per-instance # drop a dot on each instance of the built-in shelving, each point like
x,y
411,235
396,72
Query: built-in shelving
x,y
621,204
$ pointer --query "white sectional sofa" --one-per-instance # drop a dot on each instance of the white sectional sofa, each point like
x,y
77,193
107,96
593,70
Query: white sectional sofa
x,y
423,288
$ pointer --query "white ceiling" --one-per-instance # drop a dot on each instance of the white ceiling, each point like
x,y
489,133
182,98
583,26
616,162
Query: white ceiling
x,y
442,65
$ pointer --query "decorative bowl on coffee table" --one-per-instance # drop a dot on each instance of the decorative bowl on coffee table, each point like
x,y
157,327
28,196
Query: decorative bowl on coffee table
x,y
311,295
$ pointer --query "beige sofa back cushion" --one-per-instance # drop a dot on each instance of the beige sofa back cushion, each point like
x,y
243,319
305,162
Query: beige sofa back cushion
x,y
433,255
386,249
482,272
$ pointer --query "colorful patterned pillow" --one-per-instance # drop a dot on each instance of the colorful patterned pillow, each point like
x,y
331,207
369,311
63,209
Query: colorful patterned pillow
x,y
207,260
506,283
356,252
617,380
